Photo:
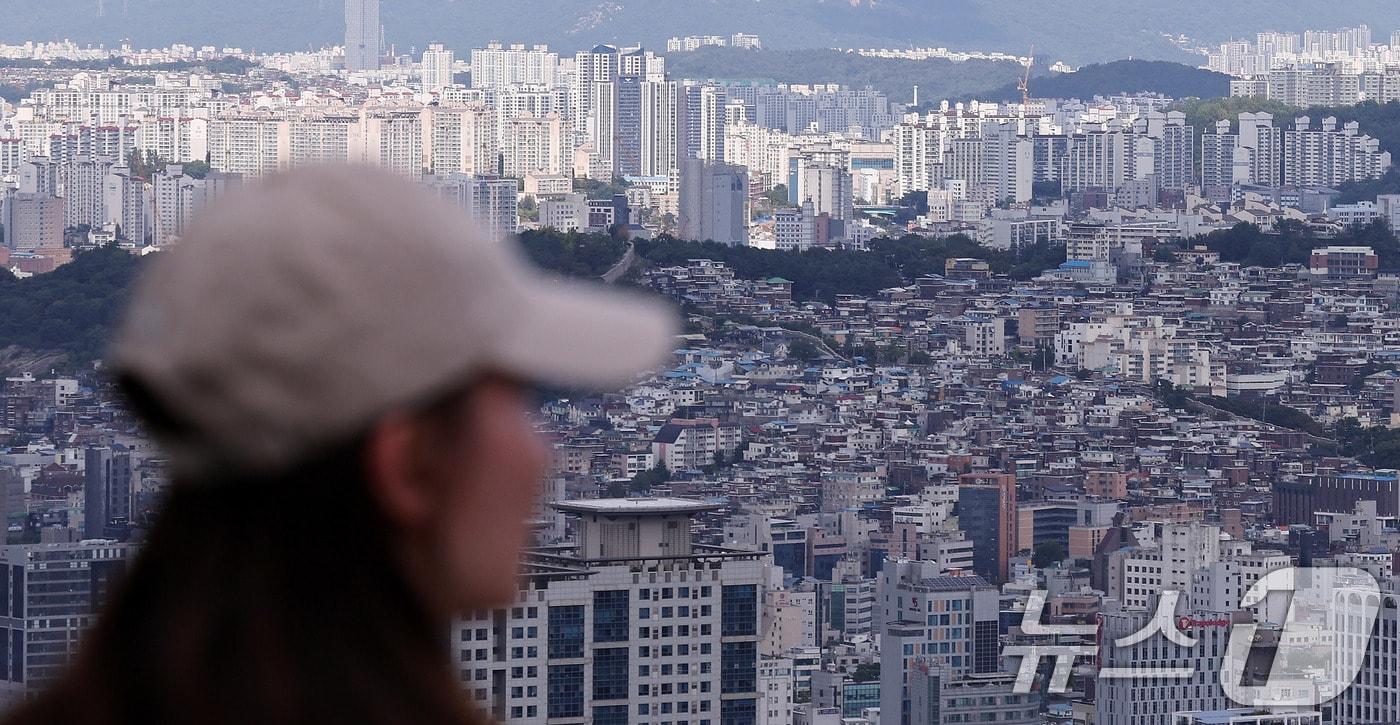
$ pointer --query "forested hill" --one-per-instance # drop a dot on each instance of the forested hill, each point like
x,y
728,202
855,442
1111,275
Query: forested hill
x,y
1124,76
64,318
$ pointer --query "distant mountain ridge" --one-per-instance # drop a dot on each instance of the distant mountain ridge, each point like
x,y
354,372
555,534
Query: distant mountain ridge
x,y
1082,32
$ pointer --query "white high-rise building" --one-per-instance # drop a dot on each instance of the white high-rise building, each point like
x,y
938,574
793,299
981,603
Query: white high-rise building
x,y
463,139
251,145
177,197
532,145
659,138
174,139
84,191
1374,696
1008,162
324,138
1330,156
362,35
499,66
393,140
124,205
634,624
437,67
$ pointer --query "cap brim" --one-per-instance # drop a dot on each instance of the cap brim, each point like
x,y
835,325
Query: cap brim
x,y
585,336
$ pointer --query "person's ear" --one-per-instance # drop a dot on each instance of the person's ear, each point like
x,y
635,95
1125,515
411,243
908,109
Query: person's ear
x,y
396,476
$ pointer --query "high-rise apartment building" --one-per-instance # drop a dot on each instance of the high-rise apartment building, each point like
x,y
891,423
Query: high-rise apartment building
x,y
499,66
437,67
1330,156
713,202
634,623
362,35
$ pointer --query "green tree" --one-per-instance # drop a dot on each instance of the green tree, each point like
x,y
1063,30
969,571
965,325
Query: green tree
x,y
1048,553
866,672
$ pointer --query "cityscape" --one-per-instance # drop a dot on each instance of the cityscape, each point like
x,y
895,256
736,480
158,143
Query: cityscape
x,y
998,405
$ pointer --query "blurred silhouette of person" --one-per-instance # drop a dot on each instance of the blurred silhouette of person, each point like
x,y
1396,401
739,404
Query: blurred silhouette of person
x,y
337,366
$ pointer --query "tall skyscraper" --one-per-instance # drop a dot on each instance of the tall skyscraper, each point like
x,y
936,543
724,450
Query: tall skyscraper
x,y
362,35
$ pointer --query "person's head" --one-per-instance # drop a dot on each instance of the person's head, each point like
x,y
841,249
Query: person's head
x,y
339,369
328,304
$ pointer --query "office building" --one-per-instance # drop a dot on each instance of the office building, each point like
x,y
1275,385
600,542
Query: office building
x,y
936,697
1299,501
53,595
633,623
1338,262
930,619
106,492
986,512
1146,700
33,221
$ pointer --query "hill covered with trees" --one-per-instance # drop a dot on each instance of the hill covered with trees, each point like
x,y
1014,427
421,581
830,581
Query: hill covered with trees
x,y
1174,80
67,316
823,274
69,312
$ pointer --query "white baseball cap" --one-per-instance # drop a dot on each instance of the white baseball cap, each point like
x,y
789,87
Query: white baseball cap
x,y
298,310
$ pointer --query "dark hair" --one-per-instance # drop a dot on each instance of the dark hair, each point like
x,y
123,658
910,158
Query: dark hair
x,y
264,601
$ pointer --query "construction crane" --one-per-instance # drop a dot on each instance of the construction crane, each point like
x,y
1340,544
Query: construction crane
x,y
1025,85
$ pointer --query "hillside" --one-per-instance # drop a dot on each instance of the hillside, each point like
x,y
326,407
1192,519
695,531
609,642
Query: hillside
x,y
65,317
1081,32
1124,76
63,320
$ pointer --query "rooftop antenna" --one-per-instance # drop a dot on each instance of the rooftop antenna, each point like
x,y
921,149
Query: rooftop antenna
x,y
1025,85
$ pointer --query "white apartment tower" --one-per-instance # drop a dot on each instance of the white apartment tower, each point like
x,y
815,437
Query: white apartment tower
x,y
437,67
499,66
